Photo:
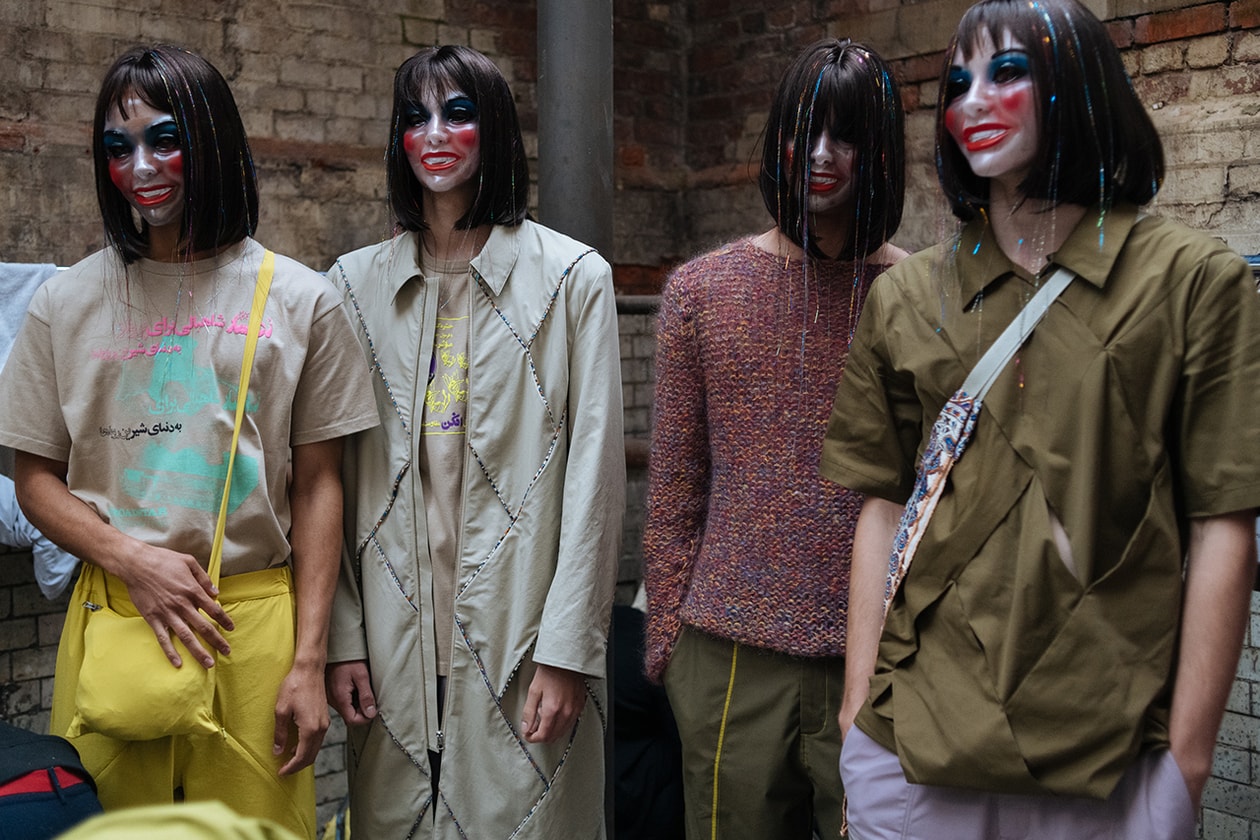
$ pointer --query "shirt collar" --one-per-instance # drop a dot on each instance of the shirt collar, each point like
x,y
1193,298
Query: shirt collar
x,y
493,265
498,257
404,262
1090,251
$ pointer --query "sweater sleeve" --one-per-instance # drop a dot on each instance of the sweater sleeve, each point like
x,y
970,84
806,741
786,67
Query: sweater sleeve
x,y
678,474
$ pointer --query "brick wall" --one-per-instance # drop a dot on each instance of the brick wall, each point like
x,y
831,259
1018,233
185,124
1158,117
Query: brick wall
x,y
692,83
636,322
313,80
1231,802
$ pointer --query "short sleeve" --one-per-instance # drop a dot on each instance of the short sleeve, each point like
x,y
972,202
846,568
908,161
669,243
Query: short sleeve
x,y
334,394
874,431
31,419
1218,412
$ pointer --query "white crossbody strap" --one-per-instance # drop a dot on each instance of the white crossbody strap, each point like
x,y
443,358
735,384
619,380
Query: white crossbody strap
x,y
954,426
986,371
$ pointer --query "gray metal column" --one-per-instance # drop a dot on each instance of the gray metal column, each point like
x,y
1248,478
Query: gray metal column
x,y
575,161
575,119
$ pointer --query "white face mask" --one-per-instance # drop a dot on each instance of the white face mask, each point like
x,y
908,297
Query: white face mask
x,y
831,163
146,161
442,141
991,109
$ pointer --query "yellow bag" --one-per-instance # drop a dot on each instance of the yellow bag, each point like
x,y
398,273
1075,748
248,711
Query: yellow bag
x,y
127,688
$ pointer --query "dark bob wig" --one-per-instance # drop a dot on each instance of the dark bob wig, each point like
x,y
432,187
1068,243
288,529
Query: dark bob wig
x,y
220,190
846,89
503,176
1097,143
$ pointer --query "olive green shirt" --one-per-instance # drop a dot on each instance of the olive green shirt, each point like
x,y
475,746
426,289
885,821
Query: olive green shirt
x,y
1133,407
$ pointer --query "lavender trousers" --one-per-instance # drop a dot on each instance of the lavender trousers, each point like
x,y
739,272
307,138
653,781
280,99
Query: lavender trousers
x,y
1150,803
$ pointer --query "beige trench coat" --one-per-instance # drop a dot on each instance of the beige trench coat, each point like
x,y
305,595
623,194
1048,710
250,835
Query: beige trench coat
x,y
544,493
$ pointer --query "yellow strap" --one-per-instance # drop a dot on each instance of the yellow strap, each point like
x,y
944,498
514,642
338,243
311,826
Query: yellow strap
x,y
717,758
261,289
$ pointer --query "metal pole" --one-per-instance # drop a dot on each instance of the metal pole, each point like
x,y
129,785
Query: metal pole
x,y
575,154
575,119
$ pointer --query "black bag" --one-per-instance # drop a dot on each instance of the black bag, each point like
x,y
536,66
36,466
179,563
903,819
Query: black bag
x,y
48,806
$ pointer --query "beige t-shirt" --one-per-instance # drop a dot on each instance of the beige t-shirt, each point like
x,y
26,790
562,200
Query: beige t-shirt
x,y
130,376
442,442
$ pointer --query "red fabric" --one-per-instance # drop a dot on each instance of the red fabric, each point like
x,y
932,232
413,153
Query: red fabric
x,y
38,781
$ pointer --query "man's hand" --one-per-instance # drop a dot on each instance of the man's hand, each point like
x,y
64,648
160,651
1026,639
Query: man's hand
x,y
556,698
174,594
350,691
1220,571
301,711
848,713
315,534
170,589
872,544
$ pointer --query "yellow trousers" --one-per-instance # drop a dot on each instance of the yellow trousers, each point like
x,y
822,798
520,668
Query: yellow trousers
x,y
235,765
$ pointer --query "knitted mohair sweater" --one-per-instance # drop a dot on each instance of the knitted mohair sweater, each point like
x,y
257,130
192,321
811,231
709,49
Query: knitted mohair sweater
x,y
744,539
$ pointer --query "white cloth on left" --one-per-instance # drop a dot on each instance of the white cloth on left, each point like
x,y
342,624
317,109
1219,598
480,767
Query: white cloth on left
x,y
19,281
54,568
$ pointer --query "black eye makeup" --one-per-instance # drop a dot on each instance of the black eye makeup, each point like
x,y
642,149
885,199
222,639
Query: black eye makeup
x,y
956,84
1005,68
162,136
459,109
116,144
1008,66
416,115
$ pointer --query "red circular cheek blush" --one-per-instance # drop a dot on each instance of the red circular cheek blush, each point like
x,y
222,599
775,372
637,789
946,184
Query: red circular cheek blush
x,y
464,137
175,163
120,174
410,140
1014,100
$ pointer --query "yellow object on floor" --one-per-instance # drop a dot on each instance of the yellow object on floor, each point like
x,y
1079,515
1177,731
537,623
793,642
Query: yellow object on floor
x,y
184,821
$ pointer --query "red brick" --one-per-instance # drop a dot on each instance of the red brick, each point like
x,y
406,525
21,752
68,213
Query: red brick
x,y
713,30
1121,32
518,42
781,17
923,68
714,107
12,141
710,9
639,279
753,23
652,131
1244,14
1166,88
1182,23
506,16
702,156
662,109
910,98
642,33
633,155
646,83
708,57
